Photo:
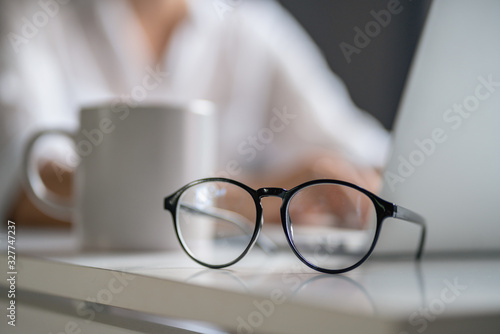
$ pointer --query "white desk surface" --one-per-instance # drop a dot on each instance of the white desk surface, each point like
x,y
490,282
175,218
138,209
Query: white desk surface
x,y
263,293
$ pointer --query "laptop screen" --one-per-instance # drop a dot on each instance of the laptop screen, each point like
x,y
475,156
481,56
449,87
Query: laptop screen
x,y
445,162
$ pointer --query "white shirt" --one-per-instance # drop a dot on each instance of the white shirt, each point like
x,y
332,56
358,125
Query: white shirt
x,y
275,95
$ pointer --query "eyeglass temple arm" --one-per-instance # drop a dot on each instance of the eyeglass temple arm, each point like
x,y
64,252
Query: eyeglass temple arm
x,y
412,217
263,242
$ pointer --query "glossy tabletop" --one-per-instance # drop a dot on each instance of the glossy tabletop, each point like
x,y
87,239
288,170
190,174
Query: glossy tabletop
x,y
266,293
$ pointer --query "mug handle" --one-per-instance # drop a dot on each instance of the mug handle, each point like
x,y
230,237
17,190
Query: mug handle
x,y
43,198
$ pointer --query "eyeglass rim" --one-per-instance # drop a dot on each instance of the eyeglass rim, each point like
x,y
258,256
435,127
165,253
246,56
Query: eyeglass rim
x,y
383,208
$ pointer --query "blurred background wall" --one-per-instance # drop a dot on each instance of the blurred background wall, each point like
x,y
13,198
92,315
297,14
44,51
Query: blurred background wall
x,y
376,75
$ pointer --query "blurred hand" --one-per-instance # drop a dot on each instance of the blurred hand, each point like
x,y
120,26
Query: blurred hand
x,y
322,165
25,213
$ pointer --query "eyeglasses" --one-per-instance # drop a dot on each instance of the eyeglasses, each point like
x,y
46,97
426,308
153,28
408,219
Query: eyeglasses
x,y
332,226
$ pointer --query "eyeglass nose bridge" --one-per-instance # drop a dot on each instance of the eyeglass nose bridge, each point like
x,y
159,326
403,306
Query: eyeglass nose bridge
x,y
271,192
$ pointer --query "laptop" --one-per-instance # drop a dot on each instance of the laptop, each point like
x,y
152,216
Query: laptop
x,y
445,161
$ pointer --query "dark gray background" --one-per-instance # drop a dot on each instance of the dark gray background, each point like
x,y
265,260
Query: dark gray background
x,y
376,76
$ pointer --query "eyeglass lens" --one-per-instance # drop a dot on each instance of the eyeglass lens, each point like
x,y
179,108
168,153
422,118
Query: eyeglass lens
x,y
216,221
332,226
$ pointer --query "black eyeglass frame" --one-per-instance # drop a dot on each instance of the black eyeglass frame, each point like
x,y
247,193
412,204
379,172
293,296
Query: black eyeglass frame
x,y
383,208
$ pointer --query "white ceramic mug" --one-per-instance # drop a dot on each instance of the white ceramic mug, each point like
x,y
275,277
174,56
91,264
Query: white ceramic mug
x,y
129,160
